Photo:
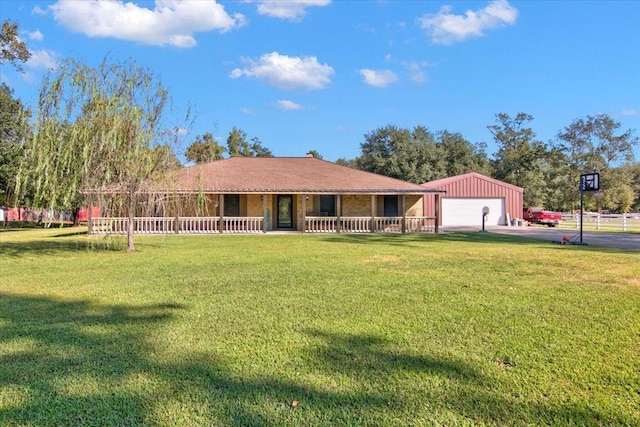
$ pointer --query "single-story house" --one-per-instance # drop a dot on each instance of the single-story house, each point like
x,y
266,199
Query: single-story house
x,y
466,197
253,194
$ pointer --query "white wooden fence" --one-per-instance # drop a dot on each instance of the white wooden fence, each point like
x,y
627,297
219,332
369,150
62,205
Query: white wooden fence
x,y
604,222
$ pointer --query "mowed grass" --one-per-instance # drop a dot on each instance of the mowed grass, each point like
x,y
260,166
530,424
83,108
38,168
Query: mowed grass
x,y
456,329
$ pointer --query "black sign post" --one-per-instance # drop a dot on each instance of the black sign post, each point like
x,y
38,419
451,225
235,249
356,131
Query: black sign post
x,y
588,182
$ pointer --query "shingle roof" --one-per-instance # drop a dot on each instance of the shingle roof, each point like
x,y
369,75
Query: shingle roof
x,y
286,175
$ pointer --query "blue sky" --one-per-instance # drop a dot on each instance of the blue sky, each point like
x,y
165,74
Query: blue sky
x,y
320,74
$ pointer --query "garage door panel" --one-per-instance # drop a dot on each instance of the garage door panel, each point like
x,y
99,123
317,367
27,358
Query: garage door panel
x,y
468,211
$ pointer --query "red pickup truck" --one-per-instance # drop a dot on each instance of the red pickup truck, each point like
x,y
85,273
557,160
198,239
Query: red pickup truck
x,y
537,215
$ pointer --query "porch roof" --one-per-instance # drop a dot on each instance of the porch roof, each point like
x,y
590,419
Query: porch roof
x,y
298,175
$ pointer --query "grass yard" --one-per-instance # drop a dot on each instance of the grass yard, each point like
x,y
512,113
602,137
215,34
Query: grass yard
x,y
360,330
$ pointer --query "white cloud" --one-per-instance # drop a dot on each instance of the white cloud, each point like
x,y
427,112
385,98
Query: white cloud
x,y
378,78
43,59
248,111
293,10
416,71
366,28
285,104
171,22
35,35
37,10
629,113
446,28
287,72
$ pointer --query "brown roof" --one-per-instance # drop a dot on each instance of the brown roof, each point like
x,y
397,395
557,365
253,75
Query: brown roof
x,y
441,183
286,175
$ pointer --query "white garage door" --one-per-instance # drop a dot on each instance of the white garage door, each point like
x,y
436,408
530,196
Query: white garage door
x,y
468,211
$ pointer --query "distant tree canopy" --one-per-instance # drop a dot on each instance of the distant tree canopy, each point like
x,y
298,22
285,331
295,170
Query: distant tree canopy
x,y
314,154
12,49
595,143
258,150
520,156
548,173
418,155
204,149
238,146
14,129
14,116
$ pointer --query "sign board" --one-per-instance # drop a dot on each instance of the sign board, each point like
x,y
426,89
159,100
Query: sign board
x,y
589,182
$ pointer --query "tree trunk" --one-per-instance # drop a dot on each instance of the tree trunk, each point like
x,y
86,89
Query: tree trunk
x,y
131,211
130,247
76,219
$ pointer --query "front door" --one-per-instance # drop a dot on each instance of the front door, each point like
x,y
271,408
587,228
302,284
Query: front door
x,y
285,211
390,205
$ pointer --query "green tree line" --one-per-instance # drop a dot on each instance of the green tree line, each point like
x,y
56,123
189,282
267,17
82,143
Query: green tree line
x,y
549,172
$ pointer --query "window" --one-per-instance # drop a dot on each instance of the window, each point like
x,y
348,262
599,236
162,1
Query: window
x,y
231,205
328,205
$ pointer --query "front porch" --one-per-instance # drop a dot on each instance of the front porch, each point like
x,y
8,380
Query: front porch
x,y
245,225
231,213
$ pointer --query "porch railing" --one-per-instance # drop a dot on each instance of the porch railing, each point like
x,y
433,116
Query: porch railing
x,y
186,225
413,224
248,224
313,224
141,225
199,225
320,224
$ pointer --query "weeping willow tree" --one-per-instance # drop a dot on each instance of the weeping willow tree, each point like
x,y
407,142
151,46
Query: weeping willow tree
x,y
97,130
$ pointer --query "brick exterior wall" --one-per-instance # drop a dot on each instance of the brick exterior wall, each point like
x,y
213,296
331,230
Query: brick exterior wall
x,y
254,204
356,205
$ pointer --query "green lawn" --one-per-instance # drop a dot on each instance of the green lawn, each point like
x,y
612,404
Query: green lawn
x,y
456,329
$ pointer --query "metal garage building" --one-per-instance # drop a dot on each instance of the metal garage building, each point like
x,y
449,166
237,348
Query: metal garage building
x,y
467,195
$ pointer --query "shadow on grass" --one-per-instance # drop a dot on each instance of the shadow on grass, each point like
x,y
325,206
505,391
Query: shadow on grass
x,y
409,240
362,355
58,356
53,245
465,390
82,363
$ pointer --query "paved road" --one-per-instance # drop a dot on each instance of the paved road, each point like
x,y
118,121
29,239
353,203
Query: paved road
x,y
626,241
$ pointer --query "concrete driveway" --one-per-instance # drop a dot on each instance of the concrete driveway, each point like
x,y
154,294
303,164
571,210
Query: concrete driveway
x,y
625,241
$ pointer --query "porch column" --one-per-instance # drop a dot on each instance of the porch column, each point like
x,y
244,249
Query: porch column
x,y
338,212
264,213
437,213
404,213
373,214
221,212
304,213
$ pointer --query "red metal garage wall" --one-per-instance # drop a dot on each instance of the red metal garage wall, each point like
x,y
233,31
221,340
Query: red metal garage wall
x,y
476,185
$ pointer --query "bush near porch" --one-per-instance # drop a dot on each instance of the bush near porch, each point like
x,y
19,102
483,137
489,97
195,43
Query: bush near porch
x,y
463,328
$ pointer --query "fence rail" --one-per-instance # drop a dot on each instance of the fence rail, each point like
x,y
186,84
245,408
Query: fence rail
x,y
605,222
